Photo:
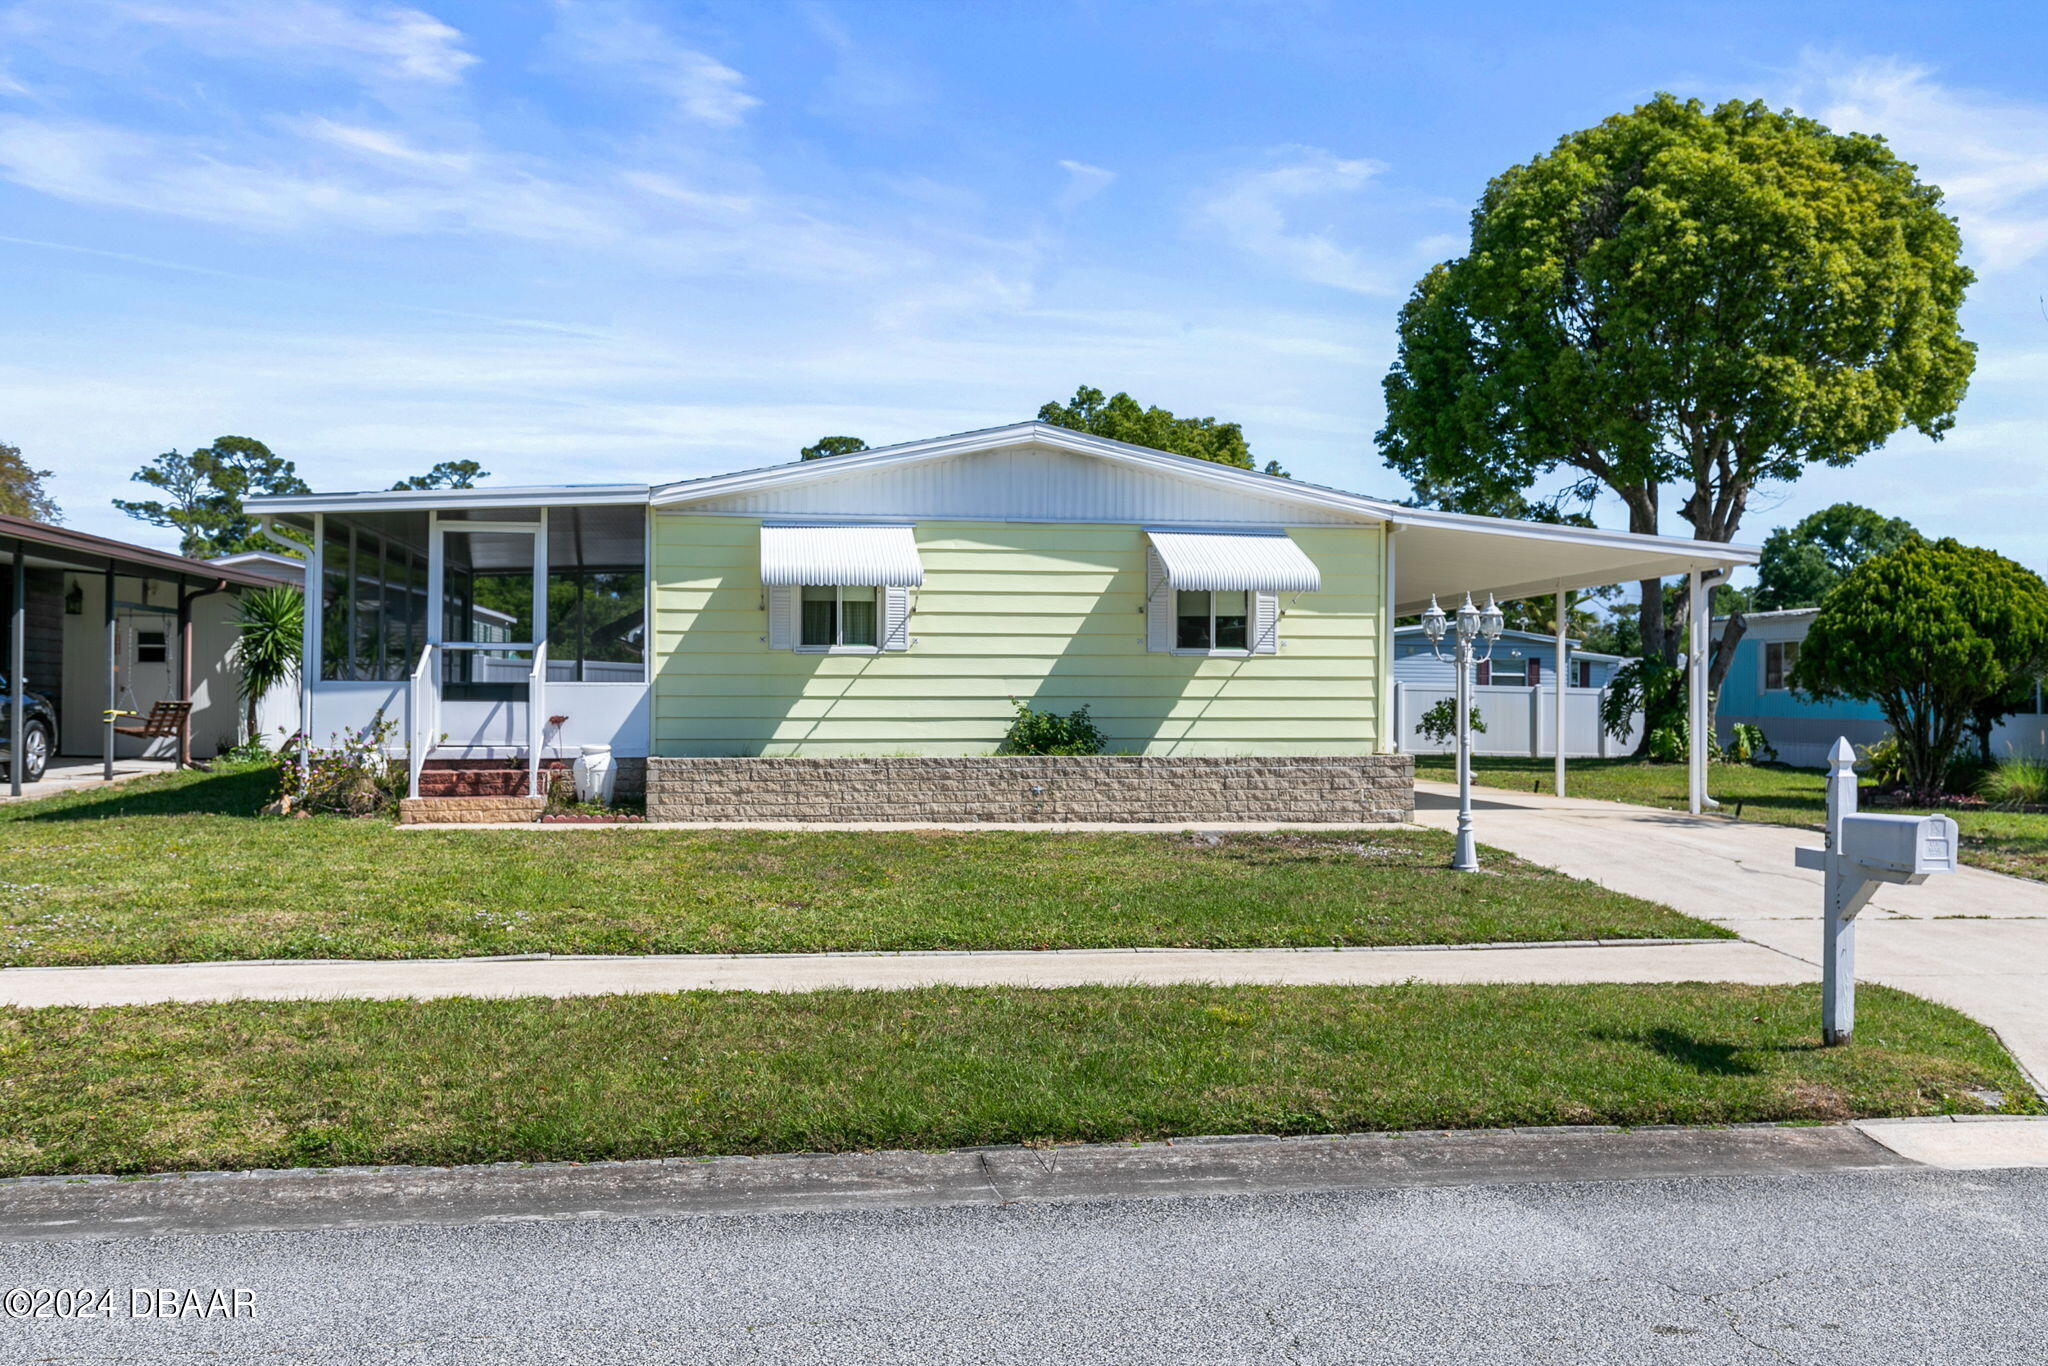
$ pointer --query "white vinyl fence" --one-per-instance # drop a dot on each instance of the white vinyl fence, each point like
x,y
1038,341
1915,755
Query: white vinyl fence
x,y
1520,721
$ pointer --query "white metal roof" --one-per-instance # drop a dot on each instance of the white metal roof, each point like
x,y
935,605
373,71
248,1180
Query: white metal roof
x,y
841,556
1226,562
1441,553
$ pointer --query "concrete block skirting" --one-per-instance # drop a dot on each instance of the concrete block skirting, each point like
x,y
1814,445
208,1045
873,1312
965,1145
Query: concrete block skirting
x,y
1341,789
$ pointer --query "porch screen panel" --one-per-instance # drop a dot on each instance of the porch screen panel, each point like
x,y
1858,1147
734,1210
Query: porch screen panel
x,y
597,595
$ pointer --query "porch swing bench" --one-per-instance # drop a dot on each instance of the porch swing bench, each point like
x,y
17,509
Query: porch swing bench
x,y
167,720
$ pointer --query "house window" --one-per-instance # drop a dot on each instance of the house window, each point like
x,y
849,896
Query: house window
x,y
1510,673
152,647
1779,657
834,618
1212,621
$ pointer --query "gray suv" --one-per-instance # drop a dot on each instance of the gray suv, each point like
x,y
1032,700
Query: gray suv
x,y
38,732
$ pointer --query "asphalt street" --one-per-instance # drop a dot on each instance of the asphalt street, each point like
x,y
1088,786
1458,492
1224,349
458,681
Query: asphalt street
x,y
1866,1267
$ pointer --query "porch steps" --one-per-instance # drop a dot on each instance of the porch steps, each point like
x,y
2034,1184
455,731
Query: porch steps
x,y
443,778
491,810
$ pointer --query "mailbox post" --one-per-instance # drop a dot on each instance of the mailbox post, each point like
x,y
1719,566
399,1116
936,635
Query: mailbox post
x,y
1862,854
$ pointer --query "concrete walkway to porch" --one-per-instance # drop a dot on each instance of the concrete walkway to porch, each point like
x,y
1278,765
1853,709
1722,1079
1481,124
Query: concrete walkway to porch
x,y
1974,940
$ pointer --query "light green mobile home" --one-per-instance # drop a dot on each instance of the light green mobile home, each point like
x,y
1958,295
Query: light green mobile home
x,y
895,605
1053,614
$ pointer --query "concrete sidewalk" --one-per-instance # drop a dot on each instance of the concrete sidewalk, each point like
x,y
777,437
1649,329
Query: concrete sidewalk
x,y
1709,960
1974,940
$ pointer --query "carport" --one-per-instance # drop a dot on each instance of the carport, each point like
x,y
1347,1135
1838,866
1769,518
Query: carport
x,y
67,593
1442,556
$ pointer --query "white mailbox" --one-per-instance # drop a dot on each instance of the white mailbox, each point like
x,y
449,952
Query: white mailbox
x,y
1863,853
1911,845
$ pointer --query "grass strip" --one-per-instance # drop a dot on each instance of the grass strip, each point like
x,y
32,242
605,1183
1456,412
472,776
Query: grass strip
x,y
266,1084
178,869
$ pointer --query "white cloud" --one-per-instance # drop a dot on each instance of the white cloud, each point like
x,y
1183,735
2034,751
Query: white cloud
x,y
1989,154
614,36
389,40
1264,213
1084,182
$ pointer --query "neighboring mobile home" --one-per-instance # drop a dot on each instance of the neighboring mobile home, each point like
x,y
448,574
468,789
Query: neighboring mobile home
x,y
875,612
1758,690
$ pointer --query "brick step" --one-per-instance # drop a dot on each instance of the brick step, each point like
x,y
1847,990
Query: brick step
x,y
469,810
480,777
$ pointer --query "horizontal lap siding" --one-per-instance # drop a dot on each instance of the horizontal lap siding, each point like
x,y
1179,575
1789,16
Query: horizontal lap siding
x,y
1050,614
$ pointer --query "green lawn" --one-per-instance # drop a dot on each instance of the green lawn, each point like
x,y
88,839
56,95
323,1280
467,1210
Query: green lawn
x,y
2004,841
178,869
270,1084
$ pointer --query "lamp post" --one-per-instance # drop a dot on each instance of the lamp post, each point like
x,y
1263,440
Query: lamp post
x,y
1472,624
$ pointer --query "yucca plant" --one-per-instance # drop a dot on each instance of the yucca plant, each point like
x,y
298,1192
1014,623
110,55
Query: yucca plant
x,y
2015,783
272,622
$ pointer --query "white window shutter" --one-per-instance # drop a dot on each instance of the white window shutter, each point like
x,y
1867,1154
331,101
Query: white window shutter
x,y
895,618
1158,604
1265,623
782,618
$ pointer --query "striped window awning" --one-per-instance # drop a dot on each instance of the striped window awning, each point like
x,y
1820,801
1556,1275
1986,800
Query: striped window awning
x,y
840,556
1223,562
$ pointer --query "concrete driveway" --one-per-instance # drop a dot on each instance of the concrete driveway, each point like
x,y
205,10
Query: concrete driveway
x,y
1975,940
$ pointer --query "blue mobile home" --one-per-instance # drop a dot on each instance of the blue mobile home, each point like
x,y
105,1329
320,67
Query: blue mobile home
x,y
1758,690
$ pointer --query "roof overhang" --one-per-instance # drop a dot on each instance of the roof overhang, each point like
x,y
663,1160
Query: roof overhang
x,y
1445,554
1228,562
428,500
56,547
840,556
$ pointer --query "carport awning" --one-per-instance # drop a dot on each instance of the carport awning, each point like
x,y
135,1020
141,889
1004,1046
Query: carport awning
x,y
1449,554
1227,562
840,556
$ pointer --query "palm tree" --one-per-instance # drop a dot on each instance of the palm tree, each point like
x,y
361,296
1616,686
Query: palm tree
x,y
272,622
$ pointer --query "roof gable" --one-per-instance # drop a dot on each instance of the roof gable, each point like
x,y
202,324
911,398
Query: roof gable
x,y
1027,472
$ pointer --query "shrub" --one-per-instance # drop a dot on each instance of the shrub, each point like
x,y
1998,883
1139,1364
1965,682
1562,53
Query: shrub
x,y
354,778
2015,783
1048,732
1746,744
1649,686
1670,744
1439,723
1883,763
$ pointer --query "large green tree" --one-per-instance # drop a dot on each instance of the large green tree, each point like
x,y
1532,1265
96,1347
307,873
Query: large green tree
x,y
1931,632
1801,563
1707,298
446,474
21,488
826,446
1120,418
203,493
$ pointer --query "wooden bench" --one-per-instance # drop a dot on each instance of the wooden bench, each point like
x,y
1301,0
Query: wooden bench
x,y
166,720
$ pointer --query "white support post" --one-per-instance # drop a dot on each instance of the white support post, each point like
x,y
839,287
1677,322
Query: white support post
x,y
310,663
1696,696
1384,680
537,686
1838,947
1560,676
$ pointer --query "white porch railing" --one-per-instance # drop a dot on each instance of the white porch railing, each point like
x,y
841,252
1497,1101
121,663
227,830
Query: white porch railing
x,y
423,705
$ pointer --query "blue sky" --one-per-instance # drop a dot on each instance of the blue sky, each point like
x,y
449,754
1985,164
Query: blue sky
x,y
588,240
